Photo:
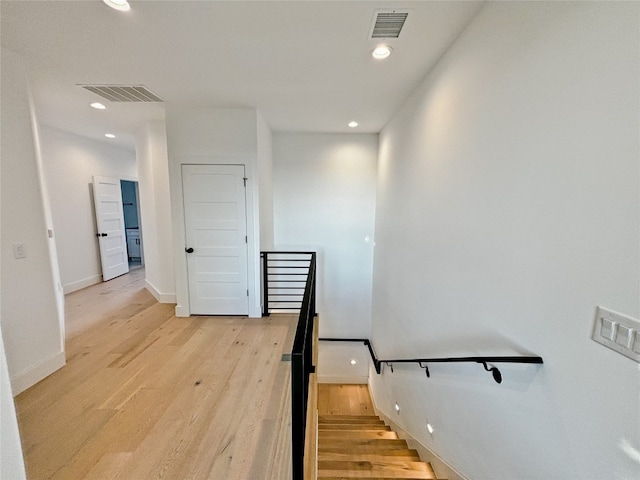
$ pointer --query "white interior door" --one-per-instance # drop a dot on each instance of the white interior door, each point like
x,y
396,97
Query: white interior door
x,y
107,196
216,237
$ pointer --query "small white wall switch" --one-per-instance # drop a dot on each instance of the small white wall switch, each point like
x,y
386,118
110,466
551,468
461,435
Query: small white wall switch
x,y
19,251
636,343
618,332
607,328
624,336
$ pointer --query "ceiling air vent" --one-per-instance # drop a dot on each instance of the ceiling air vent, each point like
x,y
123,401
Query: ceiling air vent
x,y
388,23
123,93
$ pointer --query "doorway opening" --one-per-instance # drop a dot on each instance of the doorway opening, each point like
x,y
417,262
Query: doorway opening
x,y
131,210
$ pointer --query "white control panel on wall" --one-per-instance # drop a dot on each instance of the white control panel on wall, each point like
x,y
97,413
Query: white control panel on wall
x,y
618,332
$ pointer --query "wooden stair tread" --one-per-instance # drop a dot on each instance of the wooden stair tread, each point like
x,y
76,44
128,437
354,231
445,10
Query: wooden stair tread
x,y
395,455
352,426
368,478
354,434
353,419
367,465
406,475
361,444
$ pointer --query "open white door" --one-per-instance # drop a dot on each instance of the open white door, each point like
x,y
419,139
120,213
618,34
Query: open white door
x,y
107,196
216,235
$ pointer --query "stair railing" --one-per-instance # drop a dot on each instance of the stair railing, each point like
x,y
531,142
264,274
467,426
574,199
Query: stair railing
x,y
289,284
284,278
423,362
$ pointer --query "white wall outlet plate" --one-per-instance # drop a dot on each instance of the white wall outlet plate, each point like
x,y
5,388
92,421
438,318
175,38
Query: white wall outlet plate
x,y
618,332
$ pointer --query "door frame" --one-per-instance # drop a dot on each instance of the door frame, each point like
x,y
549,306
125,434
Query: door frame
x,y
137,182
179,240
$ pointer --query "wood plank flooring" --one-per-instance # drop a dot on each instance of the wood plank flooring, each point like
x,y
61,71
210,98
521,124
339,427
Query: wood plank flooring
x,y
340,399
147,395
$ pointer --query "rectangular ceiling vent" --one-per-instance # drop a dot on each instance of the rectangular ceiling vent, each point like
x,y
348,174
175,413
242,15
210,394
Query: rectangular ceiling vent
x,y
388,23
124,93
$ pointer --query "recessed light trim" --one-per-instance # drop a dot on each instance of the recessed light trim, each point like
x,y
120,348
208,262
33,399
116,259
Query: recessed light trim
x,y
97,106
353,361
109,135
352,124
381,52
121,5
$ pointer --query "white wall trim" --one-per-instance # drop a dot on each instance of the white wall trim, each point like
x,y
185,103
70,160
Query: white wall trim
x,y
160,297
350,380
182,311
31,376
80,284
441,468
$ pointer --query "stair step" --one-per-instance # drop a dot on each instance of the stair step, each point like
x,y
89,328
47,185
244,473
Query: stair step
x,y
353,434
360,445
403,455
369,478
352,426
349,419
388,469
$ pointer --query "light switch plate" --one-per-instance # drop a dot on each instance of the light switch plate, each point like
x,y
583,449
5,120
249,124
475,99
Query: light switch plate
x,y
617,331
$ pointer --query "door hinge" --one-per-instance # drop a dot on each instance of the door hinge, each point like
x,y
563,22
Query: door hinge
x,y
245,181
246,239
247,292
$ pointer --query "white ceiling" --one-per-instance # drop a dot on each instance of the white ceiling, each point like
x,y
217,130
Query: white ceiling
x,y
305,65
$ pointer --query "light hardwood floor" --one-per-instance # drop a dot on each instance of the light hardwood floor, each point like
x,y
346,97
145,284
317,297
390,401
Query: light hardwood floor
x,y
147,395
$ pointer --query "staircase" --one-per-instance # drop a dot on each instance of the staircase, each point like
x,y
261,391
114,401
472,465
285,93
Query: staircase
x,y
362,446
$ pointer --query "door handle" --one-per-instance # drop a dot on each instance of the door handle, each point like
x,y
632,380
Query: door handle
x,y
101,234
188,250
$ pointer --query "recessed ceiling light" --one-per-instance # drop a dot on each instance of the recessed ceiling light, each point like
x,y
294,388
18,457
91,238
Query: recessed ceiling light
x,y
98,106
122,5
353,361
352,124
109,135
429,428
381,52
397,407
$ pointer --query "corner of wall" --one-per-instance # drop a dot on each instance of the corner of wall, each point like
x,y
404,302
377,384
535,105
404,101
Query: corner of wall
x,y
23,380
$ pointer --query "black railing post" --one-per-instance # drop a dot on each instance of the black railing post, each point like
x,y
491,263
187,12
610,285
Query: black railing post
x,y
265,283
298,414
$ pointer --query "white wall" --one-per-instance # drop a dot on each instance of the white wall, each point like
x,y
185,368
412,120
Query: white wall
x,y
324,201
155,210
265,177
30,316
11,459
213,136
508,209
70,161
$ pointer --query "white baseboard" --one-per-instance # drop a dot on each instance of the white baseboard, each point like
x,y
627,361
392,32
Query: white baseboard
x,y
441,468
28,378
80,284
347,380
182,311
161,297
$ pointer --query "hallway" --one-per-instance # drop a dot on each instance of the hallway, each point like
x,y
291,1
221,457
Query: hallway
x,y
145,394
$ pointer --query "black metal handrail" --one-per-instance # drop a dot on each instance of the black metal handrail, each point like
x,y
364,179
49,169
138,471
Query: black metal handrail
x,y
284,280
485,361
